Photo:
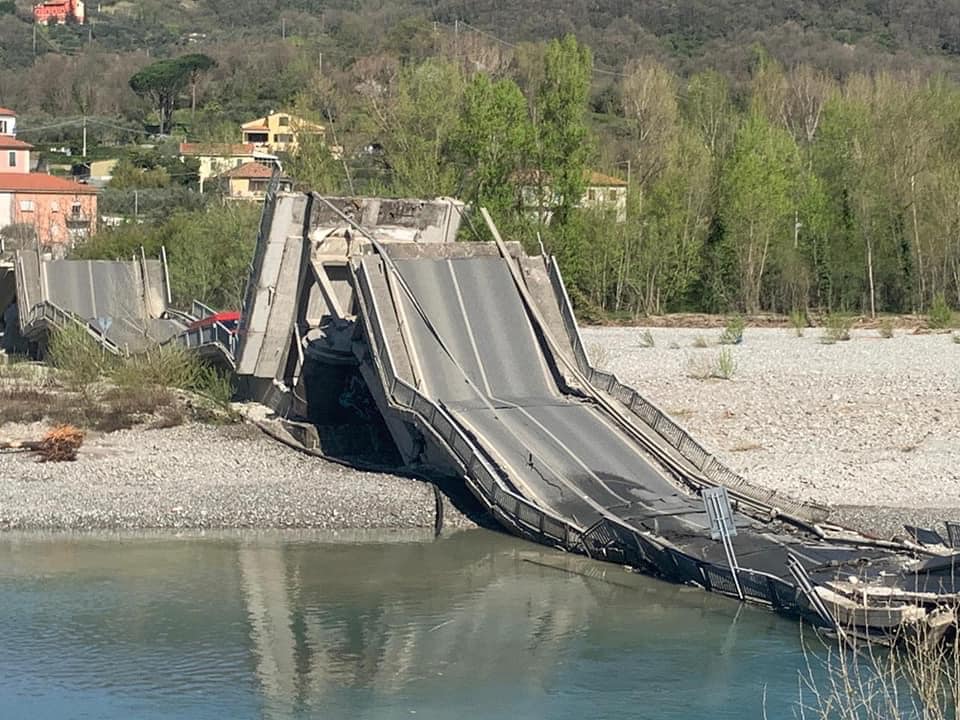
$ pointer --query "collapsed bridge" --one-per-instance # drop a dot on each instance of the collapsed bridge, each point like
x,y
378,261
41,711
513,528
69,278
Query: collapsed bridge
x,y
363,312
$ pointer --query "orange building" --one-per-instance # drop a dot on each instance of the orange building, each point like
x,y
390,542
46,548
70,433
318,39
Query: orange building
x,y
61,211
59,12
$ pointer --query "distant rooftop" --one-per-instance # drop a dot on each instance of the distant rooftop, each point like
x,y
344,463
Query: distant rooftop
x,y
11,143
41,183
250,170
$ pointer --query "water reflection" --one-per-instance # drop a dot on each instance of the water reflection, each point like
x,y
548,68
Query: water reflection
x,y
286,626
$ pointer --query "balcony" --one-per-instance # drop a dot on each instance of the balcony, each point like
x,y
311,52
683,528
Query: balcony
x,y
78,219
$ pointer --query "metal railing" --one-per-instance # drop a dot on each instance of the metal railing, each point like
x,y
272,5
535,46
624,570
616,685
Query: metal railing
x,y
44,315
216,336
678,438
613,541
200,311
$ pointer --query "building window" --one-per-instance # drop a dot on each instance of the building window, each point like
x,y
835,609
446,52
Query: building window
x,y
591,194
76,208
283,138
3,127
284,121
55,206
26,206
13,158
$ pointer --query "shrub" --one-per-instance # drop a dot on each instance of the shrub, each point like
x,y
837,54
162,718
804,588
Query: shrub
x,y
940,315
733,332
78,355
699,367
165,366
217,385
646,339
700,342
726,365
956,338
798,321
917,677
721,367
886,328
837,328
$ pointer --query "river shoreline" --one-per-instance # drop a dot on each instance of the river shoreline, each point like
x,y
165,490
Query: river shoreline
x,y
866,426
207,477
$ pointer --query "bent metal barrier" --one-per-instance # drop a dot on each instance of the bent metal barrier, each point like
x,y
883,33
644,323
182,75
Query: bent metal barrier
x,y
609,538
678,438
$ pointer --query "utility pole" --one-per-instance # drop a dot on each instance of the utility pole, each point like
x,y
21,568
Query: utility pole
x,y
34,38
283,28
320,62
84,137
796,229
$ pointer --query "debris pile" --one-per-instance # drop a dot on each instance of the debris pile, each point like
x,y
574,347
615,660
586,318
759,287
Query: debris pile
x,y
59,445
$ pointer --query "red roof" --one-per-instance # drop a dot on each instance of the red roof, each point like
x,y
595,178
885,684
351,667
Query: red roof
x,y
11,143
216,149
4,111
41,183
250,170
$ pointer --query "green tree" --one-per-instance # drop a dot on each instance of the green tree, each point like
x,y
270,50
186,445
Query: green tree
x,y
313,167
417,125
562,138
209,251
163,81
193,66
493,140
759,196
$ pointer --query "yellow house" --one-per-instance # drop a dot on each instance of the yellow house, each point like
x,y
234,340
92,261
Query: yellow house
x,y
601,192
216,158
279,132
249,181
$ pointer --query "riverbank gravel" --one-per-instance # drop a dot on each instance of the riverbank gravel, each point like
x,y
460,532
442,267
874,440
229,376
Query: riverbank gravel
x,y
870,422
203,476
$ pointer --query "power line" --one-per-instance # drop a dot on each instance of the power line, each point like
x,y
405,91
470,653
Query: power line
x,y
507,43
65,123
80,121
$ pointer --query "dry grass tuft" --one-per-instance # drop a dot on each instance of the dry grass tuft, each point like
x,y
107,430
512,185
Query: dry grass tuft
x,y
916,678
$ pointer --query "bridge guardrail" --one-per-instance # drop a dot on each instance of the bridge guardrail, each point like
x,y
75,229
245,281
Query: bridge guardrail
x,y
216,335
48,314
678,438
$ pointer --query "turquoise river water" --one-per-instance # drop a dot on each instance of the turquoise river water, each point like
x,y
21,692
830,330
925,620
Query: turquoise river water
x,y
271,625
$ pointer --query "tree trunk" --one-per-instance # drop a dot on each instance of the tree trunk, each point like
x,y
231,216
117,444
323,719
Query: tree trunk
x,y
873,293
916,242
